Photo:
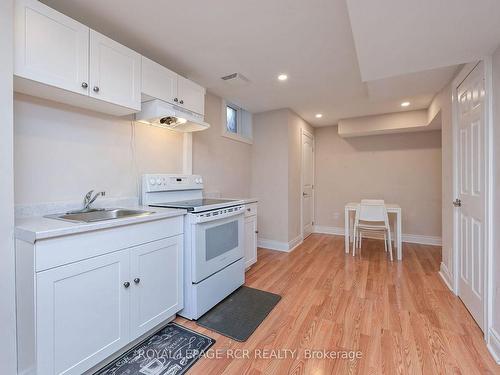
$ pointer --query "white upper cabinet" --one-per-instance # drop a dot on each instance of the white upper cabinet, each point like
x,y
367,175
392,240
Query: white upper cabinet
x,y
158,82
115,72
161,83
50,48
191,95
60,59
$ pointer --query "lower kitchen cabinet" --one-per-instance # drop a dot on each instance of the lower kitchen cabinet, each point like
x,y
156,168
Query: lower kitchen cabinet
x,y
76,313
251,235
156,275
82,313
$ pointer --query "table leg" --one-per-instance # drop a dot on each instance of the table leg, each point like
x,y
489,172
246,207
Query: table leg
x,y
347,225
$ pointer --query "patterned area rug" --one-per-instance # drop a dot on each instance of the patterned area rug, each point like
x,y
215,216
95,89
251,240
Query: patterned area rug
x,y
170,351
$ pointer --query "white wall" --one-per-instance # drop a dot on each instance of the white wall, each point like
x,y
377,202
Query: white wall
x,y
441,105
8,361
276,164
270,173
61,152
399,168
224,163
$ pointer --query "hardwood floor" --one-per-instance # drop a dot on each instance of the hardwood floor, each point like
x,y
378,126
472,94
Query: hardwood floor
x,y
399,316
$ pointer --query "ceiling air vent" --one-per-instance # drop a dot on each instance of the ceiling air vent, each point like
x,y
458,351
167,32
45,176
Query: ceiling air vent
x,y
236,79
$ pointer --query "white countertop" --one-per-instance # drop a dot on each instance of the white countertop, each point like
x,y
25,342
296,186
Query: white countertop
x,y
36,228
248,200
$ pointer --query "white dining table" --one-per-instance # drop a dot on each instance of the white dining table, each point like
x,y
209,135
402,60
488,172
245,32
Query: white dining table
x,y
394,209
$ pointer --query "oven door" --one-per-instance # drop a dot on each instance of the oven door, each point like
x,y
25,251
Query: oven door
x,y
217,244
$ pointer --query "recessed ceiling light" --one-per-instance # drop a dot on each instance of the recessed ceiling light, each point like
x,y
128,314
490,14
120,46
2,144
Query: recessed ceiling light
x,y
319,115
405,104
282,77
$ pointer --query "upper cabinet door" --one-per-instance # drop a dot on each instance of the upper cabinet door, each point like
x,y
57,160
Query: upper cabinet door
x,y
115,72
191,95
50,47
156,275
159,82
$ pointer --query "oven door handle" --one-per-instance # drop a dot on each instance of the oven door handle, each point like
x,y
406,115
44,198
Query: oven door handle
x,y
202,218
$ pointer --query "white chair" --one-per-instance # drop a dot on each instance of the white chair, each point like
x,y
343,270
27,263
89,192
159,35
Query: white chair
x,y
372,216
359,238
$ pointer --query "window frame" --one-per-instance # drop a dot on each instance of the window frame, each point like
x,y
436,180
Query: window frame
x,y
239,124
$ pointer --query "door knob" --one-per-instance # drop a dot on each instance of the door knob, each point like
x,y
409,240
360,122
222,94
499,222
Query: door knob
x,y
85,85
176,100
126,284
96,88
137,280
457,203
182,101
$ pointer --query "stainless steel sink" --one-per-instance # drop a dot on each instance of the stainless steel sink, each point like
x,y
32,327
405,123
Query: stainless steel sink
x,y
100,215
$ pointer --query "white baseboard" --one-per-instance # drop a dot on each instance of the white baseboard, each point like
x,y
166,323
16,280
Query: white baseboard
x,y
446,276
494,344
287,247
422,240
411,238
328,230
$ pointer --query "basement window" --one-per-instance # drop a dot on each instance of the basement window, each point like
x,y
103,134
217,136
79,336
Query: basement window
x,y
237,123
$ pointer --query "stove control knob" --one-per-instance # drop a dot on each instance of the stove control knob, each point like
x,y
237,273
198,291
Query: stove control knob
x,y
158,181
152,181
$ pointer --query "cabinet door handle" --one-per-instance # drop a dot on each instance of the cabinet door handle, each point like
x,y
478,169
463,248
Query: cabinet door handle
x,y
137,280
96,88
256,232
176,100
182,101
126,284
85,85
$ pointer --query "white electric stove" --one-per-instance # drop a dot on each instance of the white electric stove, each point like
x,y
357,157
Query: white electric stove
x,y
214,264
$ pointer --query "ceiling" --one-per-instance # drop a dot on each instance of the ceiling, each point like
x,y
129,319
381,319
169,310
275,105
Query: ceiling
x,y
394,37
309,40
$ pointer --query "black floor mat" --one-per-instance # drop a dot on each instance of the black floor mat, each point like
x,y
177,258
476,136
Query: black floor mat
x,y
171,350
239,315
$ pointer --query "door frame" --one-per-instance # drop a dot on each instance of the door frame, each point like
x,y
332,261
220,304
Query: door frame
x,y
488,183
305,133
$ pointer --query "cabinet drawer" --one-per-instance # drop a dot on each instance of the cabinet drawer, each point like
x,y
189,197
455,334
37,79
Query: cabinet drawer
x,y
67,249
250,209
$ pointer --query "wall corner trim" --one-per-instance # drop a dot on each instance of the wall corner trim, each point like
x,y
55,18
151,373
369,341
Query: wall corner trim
x,y
494,344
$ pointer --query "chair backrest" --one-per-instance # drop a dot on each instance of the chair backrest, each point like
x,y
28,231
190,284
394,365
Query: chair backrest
x,y
375,212
373,201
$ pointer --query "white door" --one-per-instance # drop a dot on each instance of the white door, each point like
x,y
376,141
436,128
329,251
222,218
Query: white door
x,y
471,192
307,184
156,278
250,240
158,81
50,47
83,313
191,95
115,72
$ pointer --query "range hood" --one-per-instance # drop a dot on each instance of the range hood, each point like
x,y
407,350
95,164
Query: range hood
x,y
156,112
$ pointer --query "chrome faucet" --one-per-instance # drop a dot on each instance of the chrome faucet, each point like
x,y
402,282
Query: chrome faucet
x,y
89,199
